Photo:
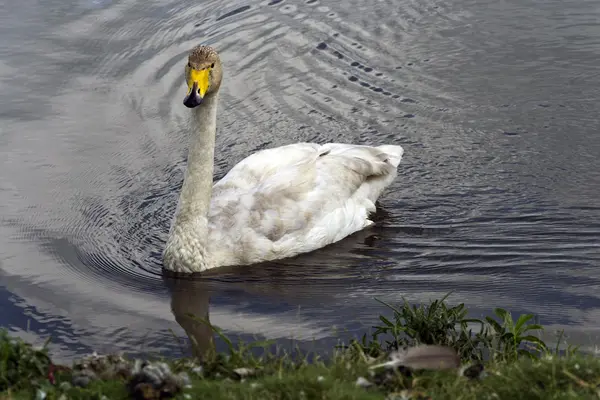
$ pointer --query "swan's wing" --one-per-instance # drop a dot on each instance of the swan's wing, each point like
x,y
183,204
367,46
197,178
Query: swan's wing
x,y
288,200
264,164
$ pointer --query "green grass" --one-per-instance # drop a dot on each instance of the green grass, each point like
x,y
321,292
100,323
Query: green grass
x,y
516,365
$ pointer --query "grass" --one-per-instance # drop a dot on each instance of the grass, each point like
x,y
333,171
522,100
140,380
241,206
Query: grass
x,y
502,358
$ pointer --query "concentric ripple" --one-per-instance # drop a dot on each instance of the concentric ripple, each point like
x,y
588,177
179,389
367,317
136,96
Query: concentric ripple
x,y
494,102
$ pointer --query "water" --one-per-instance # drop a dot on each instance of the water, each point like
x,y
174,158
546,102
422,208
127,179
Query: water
x,y
495,103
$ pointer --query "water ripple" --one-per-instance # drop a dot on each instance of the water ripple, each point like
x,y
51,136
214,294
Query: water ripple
x,y
495,104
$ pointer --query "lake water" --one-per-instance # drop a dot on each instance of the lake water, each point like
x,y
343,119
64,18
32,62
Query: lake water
x,y
498,196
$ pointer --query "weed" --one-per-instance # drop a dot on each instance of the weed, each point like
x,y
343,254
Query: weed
x,y
441,324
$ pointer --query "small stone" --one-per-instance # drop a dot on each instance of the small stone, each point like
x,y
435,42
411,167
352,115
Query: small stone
x,y
244,372
83,378
387,376
138,365
145,391
40,394
369,359
184,378
81,381
198,370
473,371
153,374
363,382
320,378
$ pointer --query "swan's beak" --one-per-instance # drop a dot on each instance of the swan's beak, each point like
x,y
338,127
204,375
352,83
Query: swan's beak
x,y
198,83
193,99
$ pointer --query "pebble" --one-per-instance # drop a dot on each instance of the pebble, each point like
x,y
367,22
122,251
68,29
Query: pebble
x,y
83,378
244,372
198,370
363,382
474,371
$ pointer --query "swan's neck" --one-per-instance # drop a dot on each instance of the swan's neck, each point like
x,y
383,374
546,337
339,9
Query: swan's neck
x,y
186,249
196,191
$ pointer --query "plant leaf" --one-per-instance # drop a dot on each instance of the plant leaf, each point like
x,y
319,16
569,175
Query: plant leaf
x,y
533,327
389,306
497,327
533,339
386,321
521,322
501,312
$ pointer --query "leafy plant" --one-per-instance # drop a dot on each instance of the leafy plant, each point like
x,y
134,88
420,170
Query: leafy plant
x,y
436,323
21,365
440,324
511,336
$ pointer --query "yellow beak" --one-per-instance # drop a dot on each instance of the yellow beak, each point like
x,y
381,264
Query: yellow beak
x,y
202,80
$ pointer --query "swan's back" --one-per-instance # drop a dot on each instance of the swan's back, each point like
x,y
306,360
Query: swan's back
x,y
284,201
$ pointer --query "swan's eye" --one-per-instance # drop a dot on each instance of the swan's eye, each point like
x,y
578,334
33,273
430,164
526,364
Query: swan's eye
x,y
189,65
212,65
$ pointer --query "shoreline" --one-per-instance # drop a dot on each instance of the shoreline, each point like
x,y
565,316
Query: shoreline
x,y
416,352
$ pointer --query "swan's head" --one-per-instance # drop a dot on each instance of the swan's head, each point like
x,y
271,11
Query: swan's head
x,y
202,75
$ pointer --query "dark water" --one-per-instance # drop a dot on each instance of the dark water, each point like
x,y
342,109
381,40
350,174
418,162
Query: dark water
x,y
498,196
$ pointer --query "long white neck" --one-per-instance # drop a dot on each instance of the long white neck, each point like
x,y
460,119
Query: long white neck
x,y
186,248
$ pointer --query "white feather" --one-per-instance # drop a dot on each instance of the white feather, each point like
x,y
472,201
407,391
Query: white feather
x,y
289,200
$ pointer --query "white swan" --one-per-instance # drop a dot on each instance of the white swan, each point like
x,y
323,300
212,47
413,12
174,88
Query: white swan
x,y
274,204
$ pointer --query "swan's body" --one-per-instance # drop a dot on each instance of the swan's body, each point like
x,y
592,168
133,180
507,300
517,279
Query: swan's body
x,y
276,203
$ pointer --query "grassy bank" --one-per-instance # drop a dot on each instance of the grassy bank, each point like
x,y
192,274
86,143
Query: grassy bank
x,y
416,352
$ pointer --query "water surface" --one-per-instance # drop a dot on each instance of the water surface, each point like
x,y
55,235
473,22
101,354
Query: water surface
x,y
497,200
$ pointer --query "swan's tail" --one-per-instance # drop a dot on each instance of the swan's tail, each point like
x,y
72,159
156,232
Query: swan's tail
x,y
394,152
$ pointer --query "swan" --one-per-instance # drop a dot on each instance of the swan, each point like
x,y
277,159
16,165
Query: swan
x,y
274,204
